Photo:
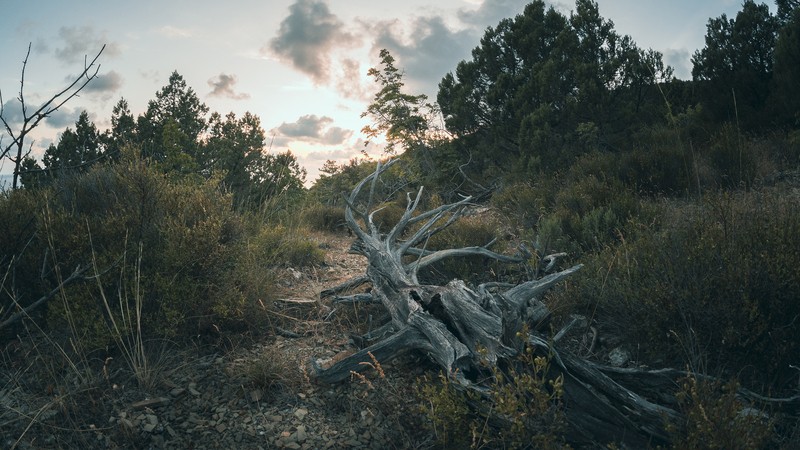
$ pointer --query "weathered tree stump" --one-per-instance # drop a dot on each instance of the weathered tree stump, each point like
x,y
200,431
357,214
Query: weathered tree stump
x,y
464,329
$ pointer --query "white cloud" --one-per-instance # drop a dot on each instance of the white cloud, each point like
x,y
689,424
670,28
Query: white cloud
x,y
307,38
223,86
310,129
175,32
78,43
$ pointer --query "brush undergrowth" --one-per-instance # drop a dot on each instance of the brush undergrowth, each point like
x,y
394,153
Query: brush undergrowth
x,y
172,262
523,407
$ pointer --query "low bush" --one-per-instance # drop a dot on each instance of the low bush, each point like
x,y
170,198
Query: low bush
x,y
712,284
474,231
198,263
522,408
716,419
279,246
388,214
323,217
523,203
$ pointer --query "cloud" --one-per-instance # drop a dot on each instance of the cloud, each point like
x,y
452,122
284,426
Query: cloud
x,y
312,129
307,38
490,12
349,80
681,61
152,76
431,50
82,42
306,126
341,154
174,32
222,86
335,136
12,112
106,83
63,118
102,88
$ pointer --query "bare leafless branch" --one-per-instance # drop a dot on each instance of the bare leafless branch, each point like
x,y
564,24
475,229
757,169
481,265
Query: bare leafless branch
x,y
46,109
76,276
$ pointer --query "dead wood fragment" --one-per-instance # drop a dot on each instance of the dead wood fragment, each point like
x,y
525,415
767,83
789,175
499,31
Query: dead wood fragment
x,y
465,329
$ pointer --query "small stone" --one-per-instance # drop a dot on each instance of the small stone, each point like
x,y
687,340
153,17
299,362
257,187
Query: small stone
x,y
301,413
256,395
150,403
221,428
177,392
301,434
148,428
292,446
194,391
618,357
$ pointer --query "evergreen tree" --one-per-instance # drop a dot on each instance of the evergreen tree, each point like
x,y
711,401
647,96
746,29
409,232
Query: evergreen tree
x,y
234,148
177,111
76,149
734,69
539,80
786,86
123,128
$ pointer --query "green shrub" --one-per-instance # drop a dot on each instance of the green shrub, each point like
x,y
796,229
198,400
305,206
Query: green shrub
x,y
448,413
202,264
523,203
474,231
19,219
522,408
323,217
591,212
733,158
712,284
272,371
189,235
388,214
716,419
280,246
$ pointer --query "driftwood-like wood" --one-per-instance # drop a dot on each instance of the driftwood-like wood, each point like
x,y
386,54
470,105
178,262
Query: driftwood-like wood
x,y
465,329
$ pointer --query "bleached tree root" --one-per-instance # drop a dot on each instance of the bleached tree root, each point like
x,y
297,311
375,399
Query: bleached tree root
x,y
464,330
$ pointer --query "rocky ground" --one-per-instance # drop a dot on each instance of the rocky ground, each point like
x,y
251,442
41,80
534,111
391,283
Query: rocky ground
x,y
247,394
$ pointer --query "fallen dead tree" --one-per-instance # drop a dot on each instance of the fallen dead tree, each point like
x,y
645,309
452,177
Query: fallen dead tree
x,y
465,329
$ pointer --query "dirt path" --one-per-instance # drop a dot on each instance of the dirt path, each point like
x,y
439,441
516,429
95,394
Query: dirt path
x,y
216,404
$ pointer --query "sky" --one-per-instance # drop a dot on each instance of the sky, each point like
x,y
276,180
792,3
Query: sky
x,y
300,65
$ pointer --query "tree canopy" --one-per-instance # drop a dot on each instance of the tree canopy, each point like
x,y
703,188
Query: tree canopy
x,y
175,135
539,78
734,68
